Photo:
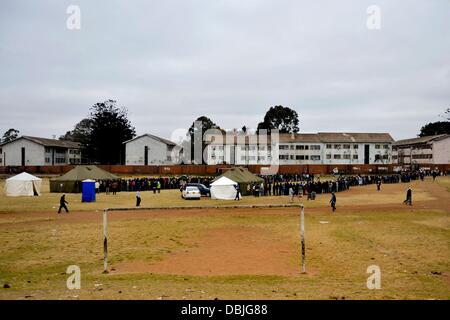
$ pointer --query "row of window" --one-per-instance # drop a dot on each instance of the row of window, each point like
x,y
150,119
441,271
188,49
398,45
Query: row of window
x,y
422,156
57,160
299,157
305,147
299,147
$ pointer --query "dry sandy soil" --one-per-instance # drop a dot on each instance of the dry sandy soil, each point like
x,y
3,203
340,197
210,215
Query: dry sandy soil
x,y
237,253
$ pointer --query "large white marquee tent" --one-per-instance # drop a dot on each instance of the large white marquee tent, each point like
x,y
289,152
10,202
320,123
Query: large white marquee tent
x,y
23,184
223,189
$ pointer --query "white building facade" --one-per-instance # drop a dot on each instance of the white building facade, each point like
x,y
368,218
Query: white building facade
x,y
35,151
424,150
149,149
317,148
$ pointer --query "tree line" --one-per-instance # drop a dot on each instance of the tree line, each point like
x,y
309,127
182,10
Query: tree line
x,y
101,134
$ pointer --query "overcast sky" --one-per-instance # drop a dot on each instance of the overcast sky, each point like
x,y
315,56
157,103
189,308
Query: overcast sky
x,y
171,61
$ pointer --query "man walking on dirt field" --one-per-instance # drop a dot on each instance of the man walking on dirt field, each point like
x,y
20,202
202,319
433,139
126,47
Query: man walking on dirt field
x,y
62,204
408,199
333,201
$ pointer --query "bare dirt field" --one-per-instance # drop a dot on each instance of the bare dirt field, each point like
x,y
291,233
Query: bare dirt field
x,y
241,253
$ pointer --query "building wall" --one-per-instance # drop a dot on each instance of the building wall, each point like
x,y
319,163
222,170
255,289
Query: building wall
x,y
158,152
12,153
441,151
290,153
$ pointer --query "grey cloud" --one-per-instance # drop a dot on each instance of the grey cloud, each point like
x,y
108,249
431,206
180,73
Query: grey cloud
x,y
171,61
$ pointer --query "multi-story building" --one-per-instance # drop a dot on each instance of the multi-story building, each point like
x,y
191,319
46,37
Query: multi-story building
x,y
309,148
35,151
149,149
423,150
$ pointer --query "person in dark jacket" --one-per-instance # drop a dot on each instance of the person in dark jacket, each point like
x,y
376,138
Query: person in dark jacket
x,y
379,185
236,186
333,201
62,204
408,199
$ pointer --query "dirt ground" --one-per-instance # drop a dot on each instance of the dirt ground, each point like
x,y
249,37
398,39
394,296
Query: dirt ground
x,y
238,253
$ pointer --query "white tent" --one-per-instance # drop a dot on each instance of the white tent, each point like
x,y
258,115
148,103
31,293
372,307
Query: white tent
x,y
23,184
223,189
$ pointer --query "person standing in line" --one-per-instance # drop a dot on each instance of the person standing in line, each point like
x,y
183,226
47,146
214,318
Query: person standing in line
x,y
158,186
291,194
333,201
408,199
237,197
62,204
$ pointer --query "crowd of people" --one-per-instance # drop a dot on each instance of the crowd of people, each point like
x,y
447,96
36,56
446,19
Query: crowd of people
x,y
273,185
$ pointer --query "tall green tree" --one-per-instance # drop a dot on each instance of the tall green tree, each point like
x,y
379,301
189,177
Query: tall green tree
x,y
282,118
80,133
10,135
102,134
433,128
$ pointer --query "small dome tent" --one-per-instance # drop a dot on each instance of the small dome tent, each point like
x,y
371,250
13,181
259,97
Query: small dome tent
x,y
23,184
223,189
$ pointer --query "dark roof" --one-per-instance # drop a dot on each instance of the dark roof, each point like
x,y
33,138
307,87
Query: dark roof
x,y
420,140
165,141
321,137
354,137
240,175
80,173
49,142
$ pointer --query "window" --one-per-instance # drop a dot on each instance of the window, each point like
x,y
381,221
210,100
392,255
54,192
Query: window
x,y
60,160
292,147
315,157
377,146
0,150
328,146
47,159
337,146
385,157
328,156
242,147
283,157
284,147
292,157
315,147
300,147
346,156
298,157
337,156
48,150
355,157
346,146
355,146
422,156
386,146
377,157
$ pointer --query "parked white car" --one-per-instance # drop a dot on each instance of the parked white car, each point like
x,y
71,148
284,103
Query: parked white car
x,y
191,193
